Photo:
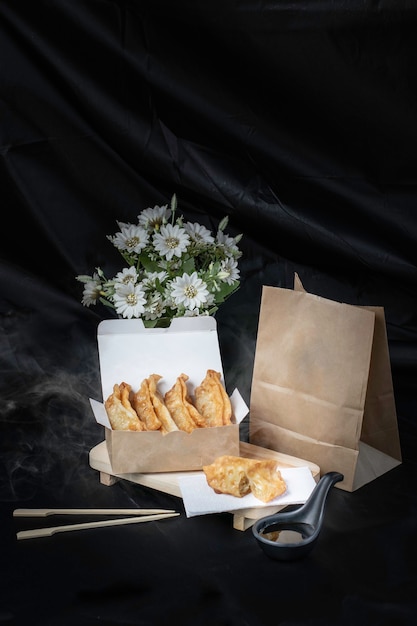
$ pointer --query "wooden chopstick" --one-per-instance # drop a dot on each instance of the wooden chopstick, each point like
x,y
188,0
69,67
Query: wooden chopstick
x,y
45,512
47,532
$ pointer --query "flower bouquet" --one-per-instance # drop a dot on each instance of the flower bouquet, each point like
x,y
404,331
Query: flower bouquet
x,y
173,269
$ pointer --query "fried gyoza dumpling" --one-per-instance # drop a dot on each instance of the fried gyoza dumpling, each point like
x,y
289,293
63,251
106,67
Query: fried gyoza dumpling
x,y
161,410
212,401
142,403
238,476
266,482
188,403
120,412
178,404
227,474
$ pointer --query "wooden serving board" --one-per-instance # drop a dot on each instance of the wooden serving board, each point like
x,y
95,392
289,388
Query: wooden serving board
x,y
168,482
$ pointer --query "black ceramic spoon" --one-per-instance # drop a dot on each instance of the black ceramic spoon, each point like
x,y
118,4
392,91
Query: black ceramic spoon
x,y
292,534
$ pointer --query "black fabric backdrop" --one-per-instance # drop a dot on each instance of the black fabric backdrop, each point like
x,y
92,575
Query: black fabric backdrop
x,y
297,120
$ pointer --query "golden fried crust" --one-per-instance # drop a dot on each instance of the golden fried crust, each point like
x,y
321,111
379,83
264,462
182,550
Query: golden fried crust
x,y
239,476
143,406
212,401
266,482
175,400
161,410
195,415
227,405
228,474
119,410
126,396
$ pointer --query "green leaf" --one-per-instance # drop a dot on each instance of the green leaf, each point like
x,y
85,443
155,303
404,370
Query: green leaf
x,y
106,303
188,266
226,291
148,265
162,322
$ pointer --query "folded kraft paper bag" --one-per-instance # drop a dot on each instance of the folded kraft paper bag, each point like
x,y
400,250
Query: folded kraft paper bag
x,y
322,385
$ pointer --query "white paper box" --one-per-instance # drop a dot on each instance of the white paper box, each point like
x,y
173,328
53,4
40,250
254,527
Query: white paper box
x,y
130,352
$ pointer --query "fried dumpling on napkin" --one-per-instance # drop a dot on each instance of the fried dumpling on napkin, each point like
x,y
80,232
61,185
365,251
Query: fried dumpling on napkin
x,y
238,476
212,401
178,404
160,408
142,403
266,482
120,412
227,474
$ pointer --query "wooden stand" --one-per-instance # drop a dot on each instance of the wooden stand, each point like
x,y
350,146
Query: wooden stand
x,y
168,482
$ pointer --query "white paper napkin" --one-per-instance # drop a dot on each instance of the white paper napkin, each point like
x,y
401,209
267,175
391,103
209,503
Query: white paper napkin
x,y
200,499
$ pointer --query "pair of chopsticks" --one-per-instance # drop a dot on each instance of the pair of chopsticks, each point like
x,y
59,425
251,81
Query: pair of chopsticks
x,y
140,515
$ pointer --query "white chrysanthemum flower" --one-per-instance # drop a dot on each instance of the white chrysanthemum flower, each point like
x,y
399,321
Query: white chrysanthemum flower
x,y
189,291
171,240
227,243
191,313
229,272
154,218
122,225
195,313
149,279
91,292
126,276
129,300
211,300
155,306
169,300
198,233
130,238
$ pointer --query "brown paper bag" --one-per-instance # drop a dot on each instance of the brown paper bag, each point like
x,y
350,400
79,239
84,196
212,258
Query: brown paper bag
x,y
322,386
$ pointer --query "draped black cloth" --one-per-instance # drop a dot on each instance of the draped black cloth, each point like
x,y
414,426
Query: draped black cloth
x,y
298,121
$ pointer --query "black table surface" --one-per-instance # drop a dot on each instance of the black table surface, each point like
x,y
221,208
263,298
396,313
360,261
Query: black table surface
x,y
201,570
